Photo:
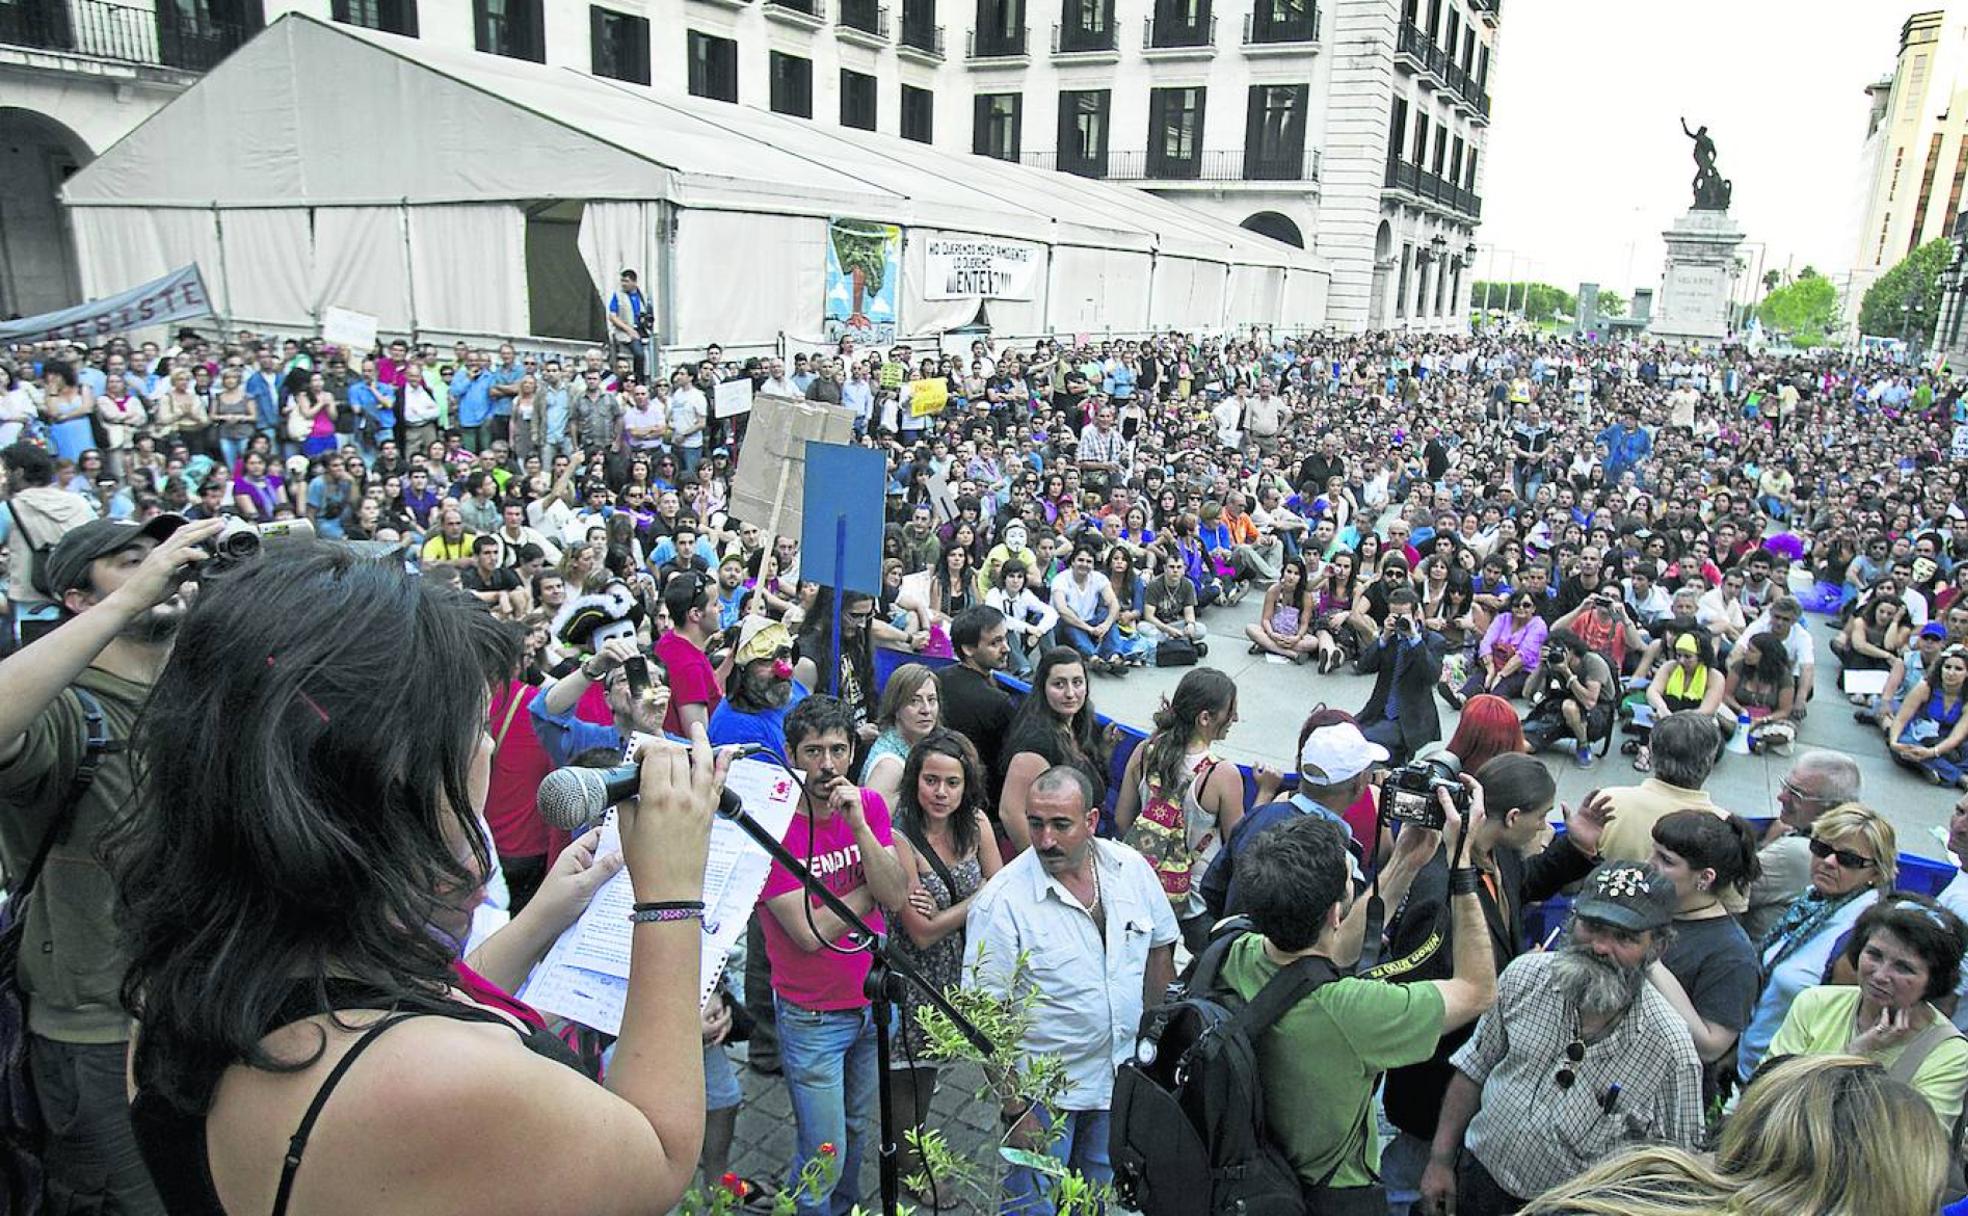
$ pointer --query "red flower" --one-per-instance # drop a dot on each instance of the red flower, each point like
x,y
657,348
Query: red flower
x,y
827,1148
734,1184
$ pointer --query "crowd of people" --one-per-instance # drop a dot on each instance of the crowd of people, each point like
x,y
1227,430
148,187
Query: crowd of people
x,y
250,844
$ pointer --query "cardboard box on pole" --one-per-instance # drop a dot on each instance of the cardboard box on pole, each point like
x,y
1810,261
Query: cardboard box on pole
x,y
770,487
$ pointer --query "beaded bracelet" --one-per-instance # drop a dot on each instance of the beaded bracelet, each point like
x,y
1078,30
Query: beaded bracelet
x,y
668,910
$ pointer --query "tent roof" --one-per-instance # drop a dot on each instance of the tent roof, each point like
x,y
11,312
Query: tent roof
x,y
513,130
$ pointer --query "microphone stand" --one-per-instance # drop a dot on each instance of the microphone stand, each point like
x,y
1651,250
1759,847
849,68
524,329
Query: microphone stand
x,y
886,974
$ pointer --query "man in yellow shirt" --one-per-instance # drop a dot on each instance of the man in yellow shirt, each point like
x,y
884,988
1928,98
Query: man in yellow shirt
x,y
450,545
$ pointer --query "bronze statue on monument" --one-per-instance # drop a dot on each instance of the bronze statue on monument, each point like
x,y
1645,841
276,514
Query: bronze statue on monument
x,y
1712,190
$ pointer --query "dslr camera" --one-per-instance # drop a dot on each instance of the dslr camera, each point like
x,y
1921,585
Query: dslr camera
x,y
1408,792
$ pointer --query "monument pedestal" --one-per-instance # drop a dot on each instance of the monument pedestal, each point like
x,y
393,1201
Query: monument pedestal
x,y
1700,280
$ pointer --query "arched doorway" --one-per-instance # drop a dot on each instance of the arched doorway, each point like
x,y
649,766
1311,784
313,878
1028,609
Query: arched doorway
x,y
1382,264
37,254
1277,227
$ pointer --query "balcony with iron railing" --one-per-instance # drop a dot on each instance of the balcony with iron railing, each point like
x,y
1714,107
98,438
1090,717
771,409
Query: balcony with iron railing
x,y
807,14
862,21
1079,40
1217,167
921,40
1261,31
997,44
1178,39
122,33
1432,189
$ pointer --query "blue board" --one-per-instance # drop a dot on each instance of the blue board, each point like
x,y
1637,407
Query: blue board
x,y
842,479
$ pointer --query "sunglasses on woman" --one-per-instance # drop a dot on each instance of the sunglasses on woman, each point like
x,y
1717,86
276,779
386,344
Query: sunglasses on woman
x,y
1846,857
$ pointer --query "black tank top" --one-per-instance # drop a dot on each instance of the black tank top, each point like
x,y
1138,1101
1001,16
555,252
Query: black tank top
x,y
172,1140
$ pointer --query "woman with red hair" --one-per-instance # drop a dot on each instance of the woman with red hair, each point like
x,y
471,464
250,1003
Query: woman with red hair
x,y
1489,728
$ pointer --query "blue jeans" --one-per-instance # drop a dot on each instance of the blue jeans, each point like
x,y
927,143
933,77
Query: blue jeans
x,y
689,457
1081,1146
829,1058
1402,1160
1082,641
232,450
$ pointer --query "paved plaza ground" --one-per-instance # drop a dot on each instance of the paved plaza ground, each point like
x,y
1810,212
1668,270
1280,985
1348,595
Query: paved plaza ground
x,y
1273,700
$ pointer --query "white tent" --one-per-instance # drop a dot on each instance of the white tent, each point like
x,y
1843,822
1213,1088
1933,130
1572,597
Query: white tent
x,y
275,174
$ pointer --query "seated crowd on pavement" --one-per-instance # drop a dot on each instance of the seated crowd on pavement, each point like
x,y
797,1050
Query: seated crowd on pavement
x,y
1572,545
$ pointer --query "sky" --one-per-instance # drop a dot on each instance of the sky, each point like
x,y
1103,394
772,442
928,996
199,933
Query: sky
x,y
1586,160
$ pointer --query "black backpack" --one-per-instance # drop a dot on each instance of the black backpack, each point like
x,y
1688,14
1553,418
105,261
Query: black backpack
x,y
1187,1136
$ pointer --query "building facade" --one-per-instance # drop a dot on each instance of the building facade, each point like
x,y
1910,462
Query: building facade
x,y
1914,161
1353,128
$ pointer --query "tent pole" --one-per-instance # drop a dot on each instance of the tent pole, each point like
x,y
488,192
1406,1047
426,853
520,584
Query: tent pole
x,y
409,264
218,234
665,251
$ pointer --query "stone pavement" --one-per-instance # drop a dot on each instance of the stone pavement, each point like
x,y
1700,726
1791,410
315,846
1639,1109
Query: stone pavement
x,y
1274,698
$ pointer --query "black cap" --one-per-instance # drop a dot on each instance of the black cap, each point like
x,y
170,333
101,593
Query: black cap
x,y
1633,896
68,563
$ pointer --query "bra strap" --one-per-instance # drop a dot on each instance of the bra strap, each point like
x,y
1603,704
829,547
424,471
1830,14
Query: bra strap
x,y
298,1143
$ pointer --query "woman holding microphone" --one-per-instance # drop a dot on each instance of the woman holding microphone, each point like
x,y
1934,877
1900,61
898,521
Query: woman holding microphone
x,y
301,860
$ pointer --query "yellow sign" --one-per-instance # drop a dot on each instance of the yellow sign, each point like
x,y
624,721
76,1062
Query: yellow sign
x,y
928,396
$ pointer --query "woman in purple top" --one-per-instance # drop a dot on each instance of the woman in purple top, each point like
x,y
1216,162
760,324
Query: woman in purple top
x,y
255,491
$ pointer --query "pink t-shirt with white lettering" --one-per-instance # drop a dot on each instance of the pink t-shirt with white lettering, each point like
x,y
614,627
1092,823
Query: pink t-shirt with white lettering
x,y
823,979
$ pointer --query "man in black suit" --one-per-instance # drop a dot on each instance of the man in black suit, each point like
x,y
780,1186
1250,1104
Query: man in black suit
x,y
1406,661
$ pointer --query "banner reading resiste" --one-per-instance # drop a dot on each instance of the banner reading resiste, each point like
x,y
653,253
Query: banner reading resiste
x,y
177,296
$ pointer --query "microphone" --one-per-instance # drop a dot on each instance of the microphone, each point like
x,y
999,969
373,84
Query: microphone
x,y
572,799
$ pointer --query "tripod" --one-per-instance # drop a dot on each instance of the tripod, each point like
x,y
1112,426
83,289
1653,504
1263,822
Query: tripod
x,y
884,987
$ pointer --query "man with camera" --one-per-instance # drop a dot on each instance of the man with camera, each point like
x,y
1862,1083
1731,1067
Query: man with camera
x,y
1406,662
1320,1060
72,702
1423,937
1576,698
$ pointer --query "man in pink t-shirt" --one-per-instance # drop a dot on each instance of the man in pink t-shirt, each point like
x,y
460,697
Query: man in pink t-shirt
x,y
826,1029
692,602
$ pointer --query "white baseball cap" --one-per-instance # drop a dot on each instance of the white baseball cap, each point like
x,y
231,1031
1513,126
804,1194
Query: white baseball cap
x,y
1337,753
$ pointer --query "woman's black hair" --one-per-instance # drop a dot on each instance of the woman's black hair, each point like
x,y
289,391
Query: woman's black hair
x,y
1034,710
815,637
299,803
942,741
1768,662
1723,843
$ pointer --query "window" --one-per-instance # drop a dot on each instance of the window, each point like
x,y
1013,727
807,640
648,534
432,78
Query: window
x,y
1482,67
857,100
389,16
1175,133
1397,130
1469,170
1421,140
713,66
621,44
994,128
1181,23
192,34
513,28
1083,132
1087,25
1441,149
1954,191
1274,132
1926,192
918,114
1284,21
919,25
1000,27
792,85
1455,162
1434,17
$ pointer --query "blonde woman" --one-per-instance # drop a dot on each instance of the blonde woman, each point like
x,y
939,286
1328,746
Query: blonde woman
x,y
177,415
1854,858
910,708
1828,1135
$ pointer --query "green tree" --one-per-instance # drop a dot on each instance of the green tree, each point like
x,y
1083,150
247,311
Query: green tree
x,y
1611,304
1771,279
1916,278
1804,310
